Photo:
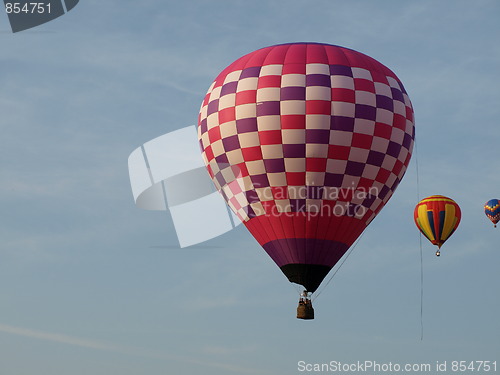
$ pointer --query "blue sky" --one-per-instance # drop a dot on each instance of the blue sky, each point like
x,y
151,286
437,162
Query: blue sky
x,y
90,284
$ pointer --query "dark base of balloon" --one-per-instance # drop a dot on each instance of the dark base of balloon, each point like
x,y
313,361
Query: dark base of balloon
x,y
309,276
305,310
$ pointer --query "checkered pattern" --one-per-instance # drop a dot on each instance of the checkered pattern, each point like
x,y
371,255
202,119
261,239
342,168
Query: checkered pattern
x,y
302,127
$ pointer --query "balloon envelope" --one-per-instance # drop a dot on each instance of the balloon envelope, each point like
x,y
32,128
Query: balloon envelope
x,y
306,142
437,217
492,210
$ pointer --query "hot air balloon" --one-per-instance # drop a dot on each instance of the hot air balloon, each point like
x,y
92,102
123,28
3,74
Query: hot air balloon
x,y
437,217
492,210
306,142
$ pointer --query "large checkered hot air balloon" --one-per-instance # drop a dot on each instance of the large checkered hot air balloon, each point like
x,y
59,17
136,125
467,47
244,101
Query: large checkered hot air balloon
x,y
306,142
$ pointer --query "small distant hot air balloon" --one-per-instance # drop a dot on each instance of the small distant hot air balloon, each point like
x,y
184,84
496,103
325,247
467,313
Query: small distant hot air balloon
x,y
306,142
492,210
437,217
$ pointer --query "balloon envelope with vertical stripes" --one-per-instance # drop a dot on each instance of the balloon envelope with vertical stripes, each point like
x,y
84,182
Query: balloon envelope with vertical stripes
x,y
306,142
437,217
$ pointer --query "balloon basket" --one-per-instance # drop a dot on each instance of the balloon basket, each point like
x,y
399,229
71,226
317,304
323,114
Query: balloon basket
x,y
305,310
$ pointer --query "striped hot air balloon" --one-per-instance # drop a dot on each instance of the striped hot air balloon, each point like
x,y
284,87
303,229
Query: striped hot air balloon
x,y
306,142
492,211
437,217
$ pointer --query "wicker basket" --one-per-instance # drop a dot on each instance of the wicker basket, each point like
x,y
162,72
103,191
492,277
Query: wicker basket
x,y
305,310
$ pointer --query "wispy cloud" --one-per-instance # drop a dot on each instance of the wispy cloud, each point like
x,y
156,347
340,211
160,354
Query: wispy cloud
x,y
110,347
57,337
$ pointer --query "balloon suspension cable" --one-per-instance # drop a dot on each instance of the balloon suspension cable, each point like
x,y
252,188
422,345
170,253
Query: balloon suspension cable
x,y
421,290
338,268
421,253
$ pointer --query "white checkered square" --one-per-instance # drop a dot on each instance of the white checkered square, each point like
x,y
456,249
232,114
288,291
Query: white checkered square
x,y
228,129
341,138
316,150
213,120
318,93
382,89
384,116
257,208
271,122
283,205
205,140
271,70
227,101
397,135
295,164
233,76
359,155
389,162
215,94
350,182
247,84
399,108
245,111
393,83
409,129
293,136
277,179
318,121
365,97
268,94
407,100
265,194
344,109
256,167
293,107
235,156
343,82
390,181
403,154
272,151
380,144
336,166
293,80
218,148
370,172
363,126
315,178
318,69
361,73
249,139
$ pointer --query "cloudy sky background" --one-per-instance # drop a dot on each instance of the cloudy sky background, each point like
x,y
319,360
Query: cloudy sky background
x,y
90,284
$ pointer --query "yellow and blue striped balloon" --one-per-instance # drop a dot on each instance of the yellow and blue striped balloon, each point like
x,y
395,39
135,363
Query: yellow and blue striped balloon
x,y
437,217
492,210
